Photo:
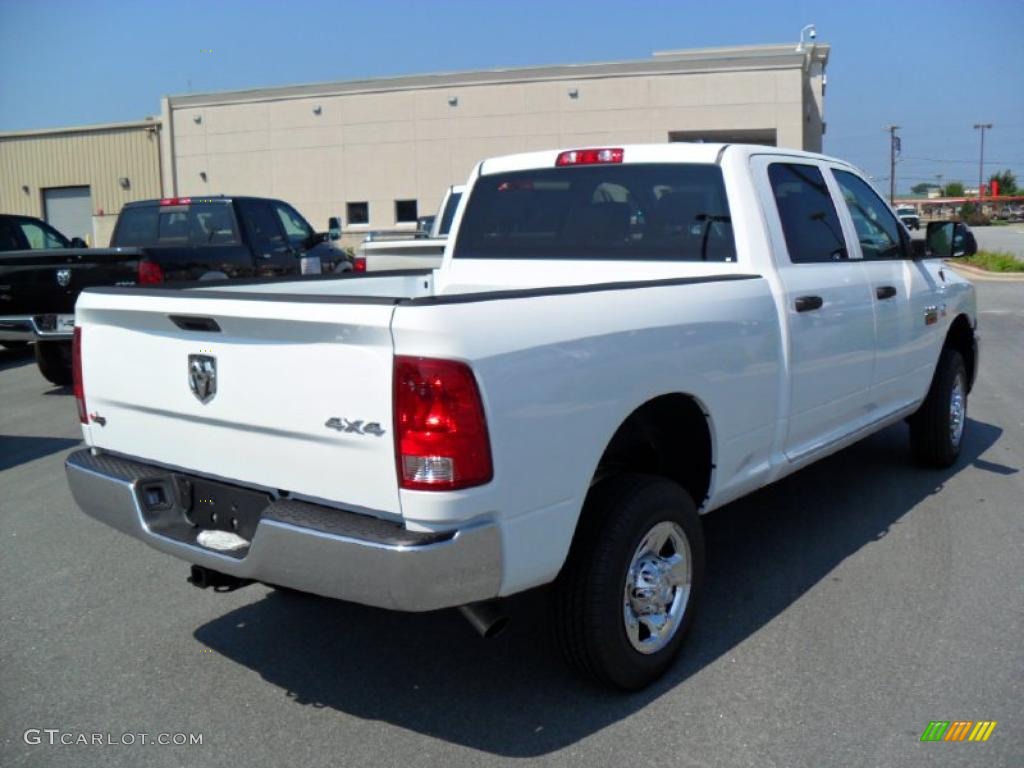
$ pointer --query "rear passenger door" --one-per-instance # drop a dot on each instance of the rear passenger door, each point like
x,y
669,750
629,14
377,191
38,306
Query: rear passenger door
x,y
901,288
829,320
272,253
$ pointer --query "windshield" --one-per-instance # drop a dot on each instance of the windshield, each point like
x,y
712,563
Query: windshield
x,y
660,212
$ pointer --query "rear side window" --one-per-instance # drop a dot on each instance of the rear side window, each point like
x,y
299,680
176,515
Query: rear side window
x,y
655,212
196,224
877,230
808,216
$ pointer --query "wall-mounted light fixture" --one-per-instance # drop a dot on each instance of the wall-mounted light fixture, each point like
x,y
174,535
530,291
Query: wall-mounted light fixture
x,y
24,188
197,119
202,175
453,101
317,109
124,182
574,93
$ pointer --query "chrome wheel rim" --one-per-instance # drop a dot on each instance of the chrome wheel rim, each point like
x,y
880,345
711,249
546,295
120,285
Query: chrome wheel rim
x,y
957,411
657,587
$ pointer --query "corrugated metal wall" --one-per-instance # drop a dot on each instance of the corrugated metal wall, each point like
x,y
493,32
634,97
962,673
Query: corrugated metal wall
x,y
93,157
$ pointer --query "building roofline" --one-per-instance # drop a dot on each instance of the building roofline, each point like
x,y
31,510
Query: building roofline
x,y
667,62
96,128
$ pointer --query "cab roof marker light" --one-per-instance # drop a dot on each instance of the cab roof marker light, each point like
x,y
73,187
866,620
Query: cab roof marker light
x,y
601,156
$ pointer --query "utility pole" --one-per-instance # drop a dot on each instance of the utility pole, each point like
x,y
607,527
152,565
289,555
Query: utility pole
x,y
981,159
894,148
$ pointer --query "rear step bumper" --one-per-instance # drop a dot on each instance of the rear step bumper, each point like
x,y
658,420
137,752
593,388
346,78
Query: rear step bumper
x,y
31,328
307,547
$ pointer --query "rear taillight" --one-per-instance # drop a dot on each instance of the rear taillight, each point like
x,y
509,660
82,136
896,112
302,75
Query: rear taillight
x,y
359,264
76,375
150,273
441,440
590,156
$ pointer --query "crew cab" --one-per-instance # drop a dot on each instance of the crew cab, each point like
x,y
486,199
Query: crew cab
x,y
422,249
174,239
618,340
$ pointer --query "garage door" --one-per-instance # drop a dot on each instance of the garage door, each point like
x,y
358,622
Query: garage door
x,y
69,209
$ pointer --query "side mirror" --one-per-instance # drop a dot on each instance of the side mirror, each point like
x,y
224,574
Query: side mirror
x,y
314,240
334,228
77,242
964,242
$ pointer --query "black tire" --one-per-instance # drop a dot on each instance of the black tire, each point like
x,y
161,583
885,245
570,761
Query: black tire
x,y
13,344
931,434
54,361
587,599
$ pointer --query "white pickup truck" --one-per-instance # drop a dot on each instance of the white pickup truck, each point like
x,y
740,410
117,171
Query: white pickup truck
x,y
404,250
618,340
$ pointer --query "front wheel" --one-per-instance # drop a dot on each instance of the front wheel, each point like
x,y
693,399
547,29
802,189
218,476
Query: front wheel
x,y
937,428
54,361
626,596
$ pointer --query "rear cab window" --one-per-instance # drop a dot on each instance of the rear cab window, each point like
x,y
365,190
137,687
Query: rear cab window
x,y
643,212
177,225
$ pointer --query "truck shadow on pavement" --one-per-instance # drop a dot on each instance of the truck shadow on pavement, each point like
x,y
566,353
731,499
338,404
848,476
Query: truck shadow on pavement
x,y
511,696
17,357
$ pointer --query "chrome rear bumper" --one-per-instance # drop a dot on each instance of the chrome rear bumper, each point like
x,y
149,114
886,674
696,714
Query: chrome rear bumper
x,y
29,328
308,547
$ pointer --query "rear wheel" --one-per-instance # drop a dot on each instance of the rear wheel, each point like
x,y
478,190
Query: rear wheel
x,y
54,361
937,428
626,596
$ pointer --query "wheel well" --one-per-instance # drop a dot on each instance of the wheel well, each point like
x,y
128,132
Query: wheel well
x,y
961,338
667,436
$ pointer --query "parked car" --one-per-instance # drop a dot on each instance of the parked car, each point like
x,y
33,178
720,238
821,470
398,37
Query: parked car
x,y
174,239
421,249
618,340
909,216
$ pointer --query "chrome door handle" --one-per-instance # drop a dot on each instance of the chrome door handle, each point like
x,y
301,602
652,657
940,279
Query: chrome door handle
x,y
885,291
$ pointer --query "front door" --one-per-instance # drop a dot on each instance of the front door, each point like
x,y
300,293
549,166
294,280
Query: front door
x,y
901,288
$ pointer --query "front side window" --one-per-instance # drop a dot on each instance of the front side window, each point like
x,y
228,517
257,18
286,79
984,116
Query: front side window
x,y
296,228
212,224
808,216
642,212
877,229
41,237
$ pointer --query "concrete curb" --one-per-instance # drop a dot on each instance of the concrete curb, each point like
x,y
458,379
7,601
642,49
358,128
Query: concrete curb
x,y
983,274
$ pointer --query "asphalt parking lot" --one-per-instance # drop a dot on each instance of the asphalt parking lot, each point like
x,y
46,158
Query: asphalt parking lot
x,y
1008,238
846,607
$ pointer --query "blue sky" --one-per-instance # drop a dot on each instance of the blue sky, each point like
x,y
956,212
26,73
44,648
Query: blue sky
x,y
935,68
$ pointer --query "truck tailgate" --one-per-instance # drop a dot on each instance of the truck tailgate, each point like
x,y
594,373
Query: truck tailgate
x,y
283,370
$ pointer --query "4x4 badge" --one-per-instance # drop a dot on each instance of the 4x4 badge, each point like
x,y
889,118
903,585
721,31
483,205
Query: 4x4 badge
x,y
355,426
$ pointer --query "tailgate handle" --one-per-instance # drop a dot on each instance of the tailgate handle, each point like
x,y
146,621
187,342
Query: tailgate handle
x,y
191,323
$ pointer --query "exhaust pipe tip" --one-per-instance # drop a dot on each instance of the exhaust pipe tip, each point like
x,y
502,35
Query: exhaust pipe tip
x,y
486,618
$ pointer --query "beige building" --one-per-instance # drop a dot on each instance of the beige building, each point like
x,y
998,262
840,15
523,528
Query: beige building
x,y
379,153
78,178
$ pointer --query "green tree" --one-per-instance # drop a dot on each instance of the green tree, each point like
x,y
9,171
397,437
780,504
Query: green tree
x,y
922,188
1007,182
953,189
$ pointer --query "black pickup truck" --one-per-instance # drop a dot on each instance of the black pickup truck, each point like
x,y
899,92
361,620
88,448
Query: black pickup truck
x,y
154,241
